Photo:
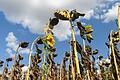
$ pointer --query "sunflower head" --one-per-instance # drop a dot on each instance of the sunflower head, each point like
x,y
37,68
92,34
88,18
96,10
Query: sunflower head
x,y
62,14
50,40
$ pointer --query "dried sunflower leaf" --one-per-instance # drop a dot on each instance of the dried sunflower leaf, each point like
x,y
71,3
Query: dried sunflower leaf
x,y
54,21
115,34
1,62
82,29
67,54
39,41
9,59
79,47
88,29
100,57
115,40
20,57
38,50
24,44
95,52
89,37
55,55
74,14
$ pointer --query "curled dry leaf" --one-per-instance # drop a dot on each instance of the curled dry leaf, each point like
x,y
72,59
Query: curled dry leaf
x,y
39,40
9,59
1,62
54,21
75,14
23,44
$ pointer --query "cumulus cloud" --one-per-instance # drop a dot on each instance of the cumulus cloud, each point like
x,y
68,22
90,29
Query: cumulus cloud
x,y
106,10
111,14
12,44
34,14
89,14
11,41
62,27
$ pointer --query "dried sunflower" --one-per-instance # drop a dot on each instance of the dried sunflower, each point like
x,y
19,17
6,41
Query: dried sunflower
x,y
62,14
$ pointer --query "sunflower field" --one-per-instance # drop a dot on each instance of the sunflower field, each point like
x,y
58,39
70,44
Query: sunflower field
x,y
79,63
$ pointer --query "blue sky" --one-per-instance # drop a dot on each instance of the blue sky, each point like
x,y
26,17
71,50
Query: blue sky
x,y
24,20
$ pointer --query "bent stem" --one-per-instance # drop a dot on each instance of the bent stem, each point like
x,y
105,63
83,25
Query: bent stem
x,y
74,50
30,54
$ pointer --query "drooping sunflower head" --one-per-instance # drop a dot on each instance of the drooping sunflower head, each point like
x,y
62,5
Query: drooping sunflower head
x,y
50,40
62,14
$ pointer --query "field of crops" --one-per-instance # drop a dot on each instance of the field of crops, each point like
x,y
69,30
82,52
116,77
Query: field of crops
x,y
79,63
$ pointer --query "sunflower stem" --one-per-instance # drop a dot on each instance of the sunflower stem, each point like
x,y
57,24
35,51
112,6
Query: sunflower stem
x,y
43,64
114,57
88,73
119,21
71,63
3,71
30,54
14,61
74,50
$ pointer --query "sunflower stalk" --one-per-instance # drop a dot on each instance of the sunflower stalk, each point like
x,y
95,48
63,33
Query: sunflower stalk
x,y
30,54
88,73
114,57
43,64
14,62
3,71
74,50
71,64
72,67
119,21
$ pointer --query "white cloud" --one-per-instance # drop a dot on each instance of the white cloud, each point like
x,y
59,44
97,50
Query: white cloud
x,y
24,69
62,30
24,51
33,14
111,14
89,14
12,44
11,41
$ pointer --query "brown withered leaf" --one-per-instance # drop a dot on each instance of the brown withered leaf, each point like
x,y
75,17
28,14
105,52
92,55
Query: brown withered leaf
x,y
23,44
9,59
